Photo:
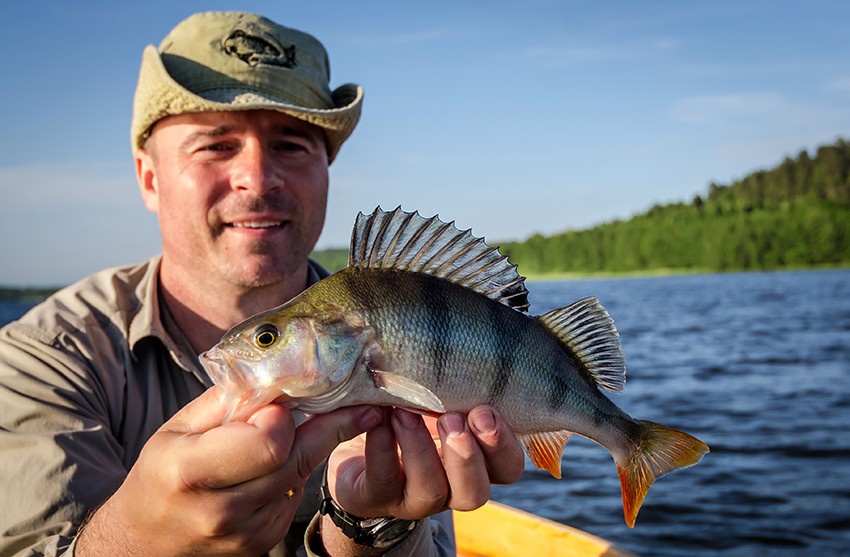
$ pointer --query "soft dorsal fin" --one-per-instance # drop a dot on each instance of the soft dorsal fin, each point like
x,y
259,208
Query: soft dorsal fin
x,y
410,242
589,331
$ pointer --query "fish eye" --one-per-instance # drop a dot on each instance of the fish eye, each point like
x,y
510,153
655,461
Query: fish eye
x,y
266,335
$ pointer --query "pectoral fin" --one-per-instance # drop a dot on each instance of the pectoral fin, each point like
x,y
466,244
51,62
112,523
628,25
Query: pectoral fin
x,y
417,395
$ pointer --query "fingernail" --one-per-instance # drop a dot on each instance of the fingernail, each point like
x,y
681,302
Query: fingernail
x,y
407,419
452,423
260,418
484,421
371,419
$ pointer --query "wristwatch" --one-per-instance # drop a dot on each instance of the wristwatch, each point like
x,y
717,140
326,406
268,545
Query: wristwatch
x,y
380,533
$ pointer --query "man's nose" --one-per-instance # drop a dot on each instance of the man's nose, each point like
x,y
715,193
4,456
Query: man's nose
x,y
255,170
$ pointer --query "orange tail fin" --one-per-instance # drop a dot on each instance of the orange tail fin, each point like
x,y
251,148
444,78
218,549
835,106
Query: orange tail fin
x,y
660,450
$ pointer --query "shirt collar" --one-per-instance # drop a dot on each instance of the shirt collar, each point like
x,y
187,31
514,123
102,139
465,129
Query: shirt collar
x,y
150,323
147,323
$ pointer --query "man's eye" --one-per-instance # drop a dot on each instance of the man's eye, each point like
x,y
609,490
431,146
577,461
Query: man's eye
x,y
289,147
215,147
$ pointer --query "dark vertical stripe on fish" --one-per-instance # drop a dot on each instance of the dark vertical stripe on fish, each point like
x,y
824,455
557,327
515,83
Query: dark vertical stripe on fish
x,y
557,360
505,355
439,328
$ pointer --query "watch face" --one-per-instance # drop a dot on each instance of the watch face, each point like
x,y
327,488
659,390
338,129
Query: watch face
x,y
391,531
369,523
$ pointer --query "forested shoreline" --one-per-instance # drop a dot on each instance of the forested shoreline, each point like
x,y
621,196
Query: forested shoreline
x,y
796,215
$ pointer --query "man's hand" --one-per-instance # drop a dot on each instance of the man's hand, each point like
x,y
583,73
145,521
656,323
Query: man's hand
x,y
200,487
412,468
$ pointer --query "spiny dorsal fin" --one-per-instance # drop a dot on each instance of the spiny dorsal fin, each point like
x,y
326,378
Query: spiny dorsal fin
x,y
589,331
410,242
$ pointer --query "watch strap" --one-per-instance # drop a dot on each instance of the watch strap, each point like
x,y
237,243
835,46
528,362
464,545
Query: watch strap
x,y
380,532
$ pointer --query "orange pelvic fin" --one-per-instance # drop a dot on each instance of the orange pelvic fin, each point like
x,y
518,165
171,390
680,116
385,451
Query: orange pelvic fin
x,y
660,450
545,449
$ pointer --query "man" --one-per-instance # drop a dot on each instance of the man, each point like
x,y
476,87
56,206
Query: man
x,y
111,440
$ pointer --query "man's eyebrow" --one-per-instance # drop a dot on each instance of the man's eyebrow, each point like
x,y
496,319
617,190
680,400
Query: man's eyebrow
x,y
205,134
297,132
283,130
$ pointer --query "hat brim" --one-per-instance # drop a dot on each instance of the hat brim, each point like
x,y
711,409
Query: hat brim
x,y
158,95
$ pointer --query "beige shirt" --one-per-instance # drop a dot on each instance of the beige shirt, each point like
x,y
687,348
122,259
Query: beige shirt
x,y
86,377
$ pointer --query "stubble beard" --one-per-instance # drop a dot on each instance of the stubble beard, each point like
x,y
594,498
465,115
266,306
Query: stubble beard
x,y
265,264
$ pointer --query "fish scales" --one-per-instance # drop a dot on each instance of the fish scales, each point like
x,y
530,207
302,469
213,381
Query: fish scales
x,y
428,317
442,335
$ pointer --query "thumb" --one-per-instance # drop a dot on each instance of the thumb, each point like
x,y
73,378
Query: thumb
x,y
316,438
202,414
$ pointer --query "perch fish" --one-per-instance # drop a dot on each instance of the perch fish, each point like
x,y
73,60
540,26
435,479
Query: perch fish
x,y
430,318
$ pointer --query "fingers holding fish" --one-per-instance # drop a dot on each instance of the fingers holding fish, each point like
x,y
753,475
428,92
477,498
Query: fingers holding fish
x,y
231,488
464,463
217,491
426,487
241,451
316,438
394,470
410,467
478,450
502,451
379,474
202,414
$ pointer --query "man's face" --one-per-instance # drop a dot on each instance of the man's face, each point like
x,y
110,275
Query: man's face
x,y
240,196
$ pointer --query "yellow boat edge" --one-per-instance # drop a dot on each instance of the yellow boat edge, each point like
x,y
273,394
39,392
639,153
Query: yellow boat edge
x,y
497,530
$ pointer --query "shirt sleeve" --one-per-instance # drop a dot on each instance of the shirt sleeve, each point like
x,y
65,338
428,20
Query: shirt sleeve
x,y
58,457
432,537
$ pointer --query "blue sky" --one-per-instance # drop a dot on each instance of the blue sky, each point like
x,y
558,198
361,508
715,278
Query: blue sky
x,y
510,117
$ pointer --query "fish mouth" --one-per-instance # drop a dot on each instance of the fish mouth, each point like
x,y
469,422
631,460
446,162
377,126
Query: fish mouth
x,y
233,375
218,366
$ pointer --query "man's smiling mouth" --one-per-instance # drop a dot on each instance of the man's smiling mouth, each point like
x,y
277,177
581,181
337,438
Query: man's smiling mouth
x,y
256,224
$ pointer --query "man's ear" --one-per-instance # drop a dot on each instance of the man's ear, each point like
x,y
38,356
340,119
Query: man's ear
x,y
146,176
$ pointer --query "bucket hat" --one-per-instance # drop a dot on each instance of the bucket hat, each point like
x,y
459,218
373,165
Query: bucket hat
x,y
220,61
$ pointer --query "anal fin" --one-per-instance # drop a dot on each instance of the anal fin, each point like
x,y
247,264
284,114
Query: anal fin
x,y
545,449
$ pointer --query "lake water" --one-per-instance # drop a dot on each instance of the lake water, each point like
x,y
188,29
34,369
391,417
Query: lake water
x,y
757,365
